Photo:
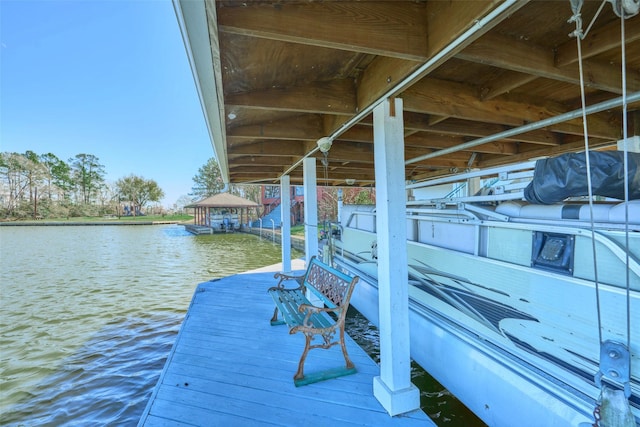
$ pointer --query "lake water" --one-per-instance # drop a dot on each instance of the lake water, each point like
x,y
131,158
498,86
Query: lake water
x,y
89,315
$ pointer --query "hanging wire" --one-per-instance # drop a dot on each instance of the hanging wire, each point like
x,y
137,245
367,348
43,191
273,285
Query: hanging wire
x,y
626,176
594,19
325,165
577,18
579,36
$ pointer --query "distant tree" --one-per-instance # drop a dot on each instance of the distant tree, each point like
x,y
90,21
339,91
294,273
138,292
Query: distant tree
x,y
88,175
58,176
35,174
327,203
139,191
183,201
208,181
107,196
359,196
328,200
21,177
14,172
248,191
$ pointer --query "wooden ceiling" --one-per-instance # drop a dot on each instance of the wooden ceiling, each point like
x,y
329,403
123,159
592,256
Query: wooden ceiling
x,y
275,76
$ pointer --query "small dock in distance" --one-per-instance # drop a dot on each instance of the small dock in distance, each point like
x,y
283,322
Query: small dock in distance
x,y
198,229
230,367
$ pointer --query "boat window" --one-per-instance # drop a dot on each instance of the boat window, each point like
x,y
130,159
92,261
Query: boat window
x,y
553,252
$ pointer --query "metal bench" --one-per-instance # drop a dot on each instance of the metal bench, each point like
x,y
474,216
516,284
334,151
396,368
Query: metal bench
x,y
333,288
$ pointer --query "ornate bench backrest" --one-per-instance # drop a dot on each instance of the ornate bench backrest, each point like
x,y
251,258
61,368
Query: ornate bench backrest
x,y
333,287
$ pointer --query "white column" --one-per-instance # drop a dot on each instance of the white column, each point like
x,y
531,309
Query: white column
x,y
393,388
285,217
310,208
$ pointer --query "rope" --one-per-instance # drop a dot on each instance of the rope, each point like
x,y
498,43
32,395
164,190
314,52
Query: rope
x,y
594,18
577,18
325,163
579,36
626,177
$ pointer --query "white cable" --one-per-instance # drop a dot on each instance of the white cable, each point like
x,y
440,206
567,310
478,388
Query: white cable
x,y
578,34
626,176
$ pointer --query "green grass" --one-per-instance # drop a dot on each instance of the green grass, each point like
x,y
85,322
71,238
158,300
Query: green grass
x,y
297,230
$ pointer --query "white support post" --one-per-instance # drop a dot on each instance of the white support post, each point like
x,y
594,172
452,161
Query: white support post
x,y
393,388
310,208
310,217
285,217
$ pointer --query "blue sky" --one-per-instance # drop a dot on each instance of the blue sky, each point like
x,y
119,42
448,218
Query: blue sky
x,y
108,78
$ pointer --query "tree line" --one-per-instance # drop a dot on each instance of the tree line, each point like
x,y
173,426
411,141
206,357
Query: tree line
x,y
44,186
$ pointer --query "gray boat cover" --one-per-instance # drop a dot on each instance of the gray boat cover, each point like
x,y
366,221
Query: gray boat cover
x,y
557,178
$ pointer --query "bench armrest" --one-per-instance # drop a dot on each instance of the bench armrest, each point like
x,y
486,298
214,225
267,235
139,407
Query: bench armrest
x,y
284,277
312,309
308,327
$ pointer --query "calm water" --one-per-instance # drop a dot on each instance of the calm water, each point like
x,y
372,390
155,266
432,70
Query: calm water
x,y
89,315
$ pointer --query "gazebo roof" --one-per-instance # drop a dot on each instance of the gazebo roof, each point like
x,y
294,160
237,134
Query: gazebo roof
x,y
224,200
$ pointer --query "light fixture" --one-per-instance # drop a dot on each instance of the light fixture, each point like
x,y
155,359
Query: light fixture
x,y
350,181
324,144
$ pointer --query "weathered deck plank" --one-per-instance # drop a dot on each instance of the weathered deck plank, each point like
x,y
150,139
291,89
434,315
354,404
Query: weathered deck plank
x,y
230,367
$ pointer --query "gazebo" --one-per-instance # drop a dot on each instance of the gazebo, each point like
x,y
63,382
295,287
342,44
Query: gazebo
x,y
222,212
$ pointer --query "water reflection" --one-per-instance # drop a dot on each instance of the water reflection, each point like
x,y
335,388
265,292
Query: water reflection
x,y
107,381
89,314
437,402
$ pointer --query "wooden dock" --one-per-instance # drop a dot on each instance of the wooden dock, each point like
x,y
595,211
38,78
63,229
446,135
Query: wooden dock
x,y
230,367
198,229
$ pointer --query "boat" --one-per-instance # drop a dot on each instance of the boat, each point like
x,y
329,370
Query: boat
x,y
507,310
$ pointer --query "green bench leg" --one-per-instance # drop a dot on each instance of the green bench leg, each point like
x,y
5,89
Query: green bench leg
x,y
324,375
299,379
274,319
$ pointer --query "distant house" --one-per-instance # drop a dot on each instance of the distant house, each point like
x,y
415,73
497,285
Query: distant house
x,y
270,198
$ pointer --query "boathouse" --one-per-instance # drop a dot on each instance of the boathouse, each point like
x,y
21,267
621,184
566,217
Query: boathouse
x,y
222,212
392,93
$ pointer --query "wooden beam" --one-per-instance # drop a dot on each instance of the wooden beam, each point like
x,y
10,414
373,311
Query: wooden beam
x,y
270,170
489,161
387,28
508,82
480,129
446,22
343,151
449,160
380,77
436,141
332,97
524,57
358,133
458,100
259,161
268,148
296,128
597,41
